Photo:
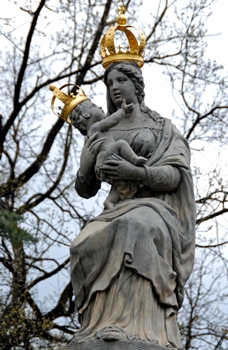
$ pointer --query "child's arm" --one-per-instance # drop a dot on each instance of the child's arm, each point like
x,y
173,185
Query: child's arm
x,y
112,120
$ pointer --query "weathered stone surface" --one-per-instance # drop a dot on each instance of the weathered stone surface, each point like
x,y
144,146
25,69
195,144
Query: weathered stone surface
x,y
129,265
98,344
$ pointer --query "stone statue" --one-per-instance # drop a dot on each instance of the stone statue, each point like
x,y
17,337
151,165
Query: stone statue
x,y
90,119
129,265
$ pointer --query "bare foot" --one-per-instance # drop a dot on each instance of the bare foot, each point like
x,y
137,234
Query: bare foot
x,y
108,205
140,161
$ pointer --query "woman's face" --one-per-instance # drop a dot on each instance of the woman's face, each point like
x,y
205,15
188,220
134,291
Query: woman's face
x,y
121,87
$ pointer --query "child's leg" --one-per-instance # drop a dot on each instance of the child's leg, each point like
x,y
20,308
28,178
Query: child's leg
x,y
122,148
112,198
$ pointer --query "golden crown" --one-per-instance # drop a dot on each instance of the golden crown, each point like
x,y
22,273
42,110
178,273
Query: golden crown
x,y
70,101
133,51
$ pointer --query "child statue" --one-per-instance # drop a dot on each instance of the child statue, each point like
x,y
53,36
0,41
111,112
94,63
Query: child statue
x,y
89,119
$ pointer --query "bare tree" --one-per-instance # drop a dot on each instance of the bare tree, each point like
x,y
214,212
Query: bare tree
x,y
203,318
39,156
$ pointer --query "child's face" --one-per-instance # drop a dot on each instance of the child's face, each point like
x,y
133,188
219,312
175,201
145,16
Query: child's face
x,y
90,110
80,118
84,113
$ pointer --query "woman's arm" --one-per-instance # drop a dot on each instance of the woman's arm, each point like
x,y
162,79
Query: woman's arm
x,y
163,178
86,183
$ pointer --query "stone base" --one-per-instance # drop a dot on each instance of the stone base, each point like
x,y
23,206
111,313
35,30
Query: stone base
x,y
100,344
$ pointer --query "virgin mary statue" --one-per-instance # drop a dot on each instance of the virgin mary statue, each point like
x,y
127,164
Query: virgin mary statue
x,y
129,265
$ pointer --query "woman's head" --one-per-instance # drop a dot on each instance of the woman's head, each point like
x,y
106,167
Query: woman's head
x,y
133,72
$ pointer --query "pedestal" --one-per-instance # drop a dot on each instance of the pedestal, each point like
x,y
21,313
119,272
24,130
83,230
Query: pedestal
x,y
100,344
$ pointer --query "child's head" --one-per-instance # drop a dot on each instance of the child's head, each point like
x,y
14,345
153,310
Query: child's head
x,y
86,114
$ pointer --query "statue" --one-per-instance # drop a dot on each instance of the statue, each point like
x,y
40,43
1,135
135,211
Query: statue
x,y
89,119
129,265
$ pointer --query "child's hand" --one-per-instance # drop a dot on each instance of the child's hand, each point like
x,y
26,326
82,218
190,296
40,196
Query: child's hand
x,y
127,108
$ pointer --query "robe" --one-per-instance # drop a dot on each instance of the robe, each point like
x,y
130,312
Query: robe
x,y
129,265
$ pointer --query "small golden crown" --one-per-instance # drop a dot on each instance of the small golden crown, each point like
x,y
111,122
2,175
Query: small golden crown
x,y
134,51
70,101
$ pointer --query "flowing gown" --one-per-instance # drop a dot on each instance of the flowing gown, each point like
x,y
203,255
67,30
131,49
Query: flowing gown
x,y
129,265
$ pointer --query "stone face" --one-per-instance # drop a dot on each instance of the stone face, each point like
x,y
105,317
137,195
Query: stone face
x,y
129,265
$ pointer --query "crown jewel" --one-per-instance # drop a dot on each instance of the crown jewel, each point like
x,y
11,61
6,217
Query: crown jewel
x,y
70,101
133,50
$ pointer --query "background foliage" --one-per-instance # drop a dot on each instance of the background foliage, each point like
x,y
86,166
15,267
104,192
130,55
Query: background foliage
x,y
58,41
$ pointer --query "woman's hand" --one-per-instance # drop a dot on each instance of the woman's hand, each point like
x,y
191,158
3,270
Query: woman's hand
x,y
118,168
89,153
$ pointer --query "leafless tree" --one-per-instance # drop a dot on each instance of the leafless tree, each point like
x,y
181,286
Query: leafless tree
x,y
40,211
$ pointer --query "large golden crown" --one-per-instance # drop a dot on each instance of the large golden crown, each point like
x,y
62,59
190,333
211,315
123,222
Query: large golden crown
x,y
69,101
133,50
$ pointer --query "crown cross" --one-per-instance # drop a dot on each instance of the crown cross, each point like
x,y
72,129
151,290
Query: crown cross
x,y
121,9
72,95
119,49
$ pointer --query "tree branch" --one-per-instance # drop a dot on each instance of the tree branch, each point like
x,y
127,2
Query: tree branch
x,y
18,84
48,274
95,42
27,205
211,216
11,186
60,308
